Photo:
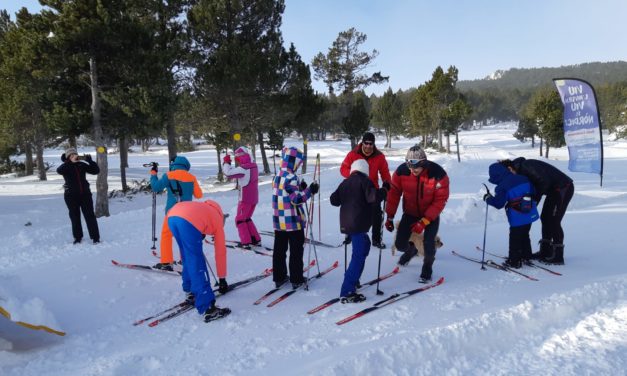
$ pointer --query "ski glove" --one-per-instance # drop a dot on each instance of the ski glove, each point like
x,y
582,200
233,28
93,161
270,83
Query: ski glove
x,y
223,286
419,226
63,159
386,185
88,157
314,187
227,159
389,225
487,196
154,169
303,185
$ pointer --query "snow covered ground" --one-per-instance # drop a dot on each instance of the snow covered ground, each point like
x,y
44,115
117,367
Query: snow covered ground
x,y
476,323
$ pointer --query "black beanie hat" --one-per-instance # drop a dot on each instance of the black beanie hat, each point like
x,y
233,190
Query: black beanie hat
x,y
368,136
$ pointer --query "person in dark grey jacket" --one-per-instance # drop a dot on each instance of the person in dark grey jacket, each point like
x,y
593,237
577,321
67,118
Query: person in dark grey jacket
x,y
558,188
77,193
355,197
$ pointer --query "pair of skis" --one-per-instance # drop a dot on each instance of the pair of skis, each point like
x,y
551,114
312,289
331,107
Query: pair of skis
x,y
528,263
495,265
363,287
185,306
389,300
147,268
291,292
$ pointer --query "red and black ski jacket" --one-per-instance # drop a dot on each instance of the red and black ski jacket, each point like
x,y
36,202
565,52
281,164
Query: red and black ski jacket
x,y
377,164
424,195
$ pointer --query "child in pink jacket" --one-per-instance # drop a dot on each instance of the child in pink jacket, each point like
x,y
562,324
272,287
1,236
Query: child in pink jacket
x,y
247,175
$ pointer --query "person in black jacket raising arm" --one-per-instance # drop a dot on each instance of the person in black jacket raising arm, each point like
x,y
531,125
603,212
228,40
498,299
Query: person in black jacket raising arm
x,y
77,194
355,197
558,188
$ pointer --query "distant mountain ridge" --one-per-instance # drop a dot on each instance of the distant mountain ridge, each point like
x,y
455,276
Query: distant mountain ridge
x,y
596,73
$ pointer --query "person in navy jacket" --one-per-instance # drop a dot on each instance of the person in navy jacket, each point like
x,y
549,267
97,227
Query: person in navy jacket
x,y
77,193
355,196
515,193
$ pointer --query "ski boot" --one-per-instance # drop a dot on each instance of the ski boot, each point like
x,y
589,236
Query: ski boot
x,y
215,313
427,269
353,297
545,250
407,255
556,257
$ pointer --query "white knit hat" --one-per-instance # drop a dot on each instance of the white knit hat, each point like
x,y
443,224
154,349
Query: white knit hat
x,y
360,165
69,152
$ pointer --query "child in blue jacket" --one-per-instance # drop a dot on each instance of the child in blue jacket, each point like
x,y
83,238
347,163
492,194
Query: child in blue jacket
x,y
515,193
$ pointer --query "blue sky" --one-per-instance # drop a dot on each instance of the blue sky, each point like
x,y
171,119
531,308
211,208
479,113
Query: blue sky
x,y
478,37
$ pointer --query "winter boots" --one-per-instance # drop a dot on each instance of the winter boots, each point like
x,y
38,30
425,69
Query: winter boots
x,y
214,313
164,266
556,256
378,244
427,269
353,297
296,285
189,298
407,255
512,263
280,283
546,249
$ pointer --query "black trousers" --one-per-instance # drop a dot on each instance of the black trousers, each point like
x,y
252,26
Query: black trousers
x,y
553,211
519,242
404,232
295,240
377,221
77,203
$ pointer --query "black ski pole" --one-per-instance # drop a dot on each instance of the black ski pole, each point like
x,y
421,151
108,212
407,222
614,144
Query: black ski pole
x,y
211,270
379,292
154,220
345,253
485,230
154,209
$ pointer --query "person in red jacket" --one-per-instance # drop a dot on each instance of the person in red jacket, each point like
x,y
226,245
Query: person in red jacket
x,y
377,165
424,186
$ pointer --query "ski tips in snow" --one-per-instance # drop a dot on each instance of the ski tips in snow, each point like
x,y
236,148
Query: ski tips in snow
x,y
389,300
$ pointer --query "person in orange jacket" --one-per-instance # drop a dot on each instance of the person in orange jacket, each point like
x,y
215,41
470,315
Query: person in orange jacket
x,y
190,222
181,186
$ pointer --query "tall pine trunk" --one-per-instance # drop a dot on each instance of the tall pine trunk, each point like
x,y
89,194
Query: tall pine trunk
x,y
102,186
264,158
123,146
41,168
304,170
28,158
457,144
171,132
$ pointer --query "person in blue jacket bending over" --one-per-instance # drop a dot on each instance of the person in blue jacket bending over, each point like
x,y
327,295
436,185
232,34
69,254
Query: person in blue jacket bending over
x,y
515,193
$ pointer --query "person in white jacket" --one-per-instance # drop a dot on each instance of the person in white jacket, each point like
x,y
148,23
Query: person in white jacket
x,y
247,175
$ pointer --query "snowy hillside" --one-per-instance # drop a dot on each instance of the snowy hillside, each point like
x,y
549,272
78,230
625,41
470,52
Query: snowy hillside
x,y
476,323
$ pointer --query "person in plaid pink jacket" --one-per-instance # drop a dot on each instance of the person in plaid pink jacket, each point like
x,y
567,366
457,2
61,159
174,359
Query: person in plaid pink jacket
x,y
289,193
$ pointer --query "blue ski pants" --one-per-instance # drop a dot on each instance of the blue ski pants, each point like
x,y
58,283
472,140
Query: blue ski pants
x,y
195,275
361,249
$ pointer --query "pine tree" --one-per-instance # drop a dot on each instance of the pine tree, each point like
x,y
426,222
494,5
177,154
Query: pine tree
x,y
388,114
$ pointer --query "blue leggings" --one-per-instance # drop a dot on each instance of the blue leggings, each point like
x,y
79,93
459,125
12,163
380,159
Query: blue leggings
x,y
195,276
361,249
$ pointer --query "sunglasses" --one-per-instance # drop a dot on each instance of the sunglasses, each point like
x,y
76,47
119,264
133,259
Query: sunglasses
x,y
415,163
368,143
